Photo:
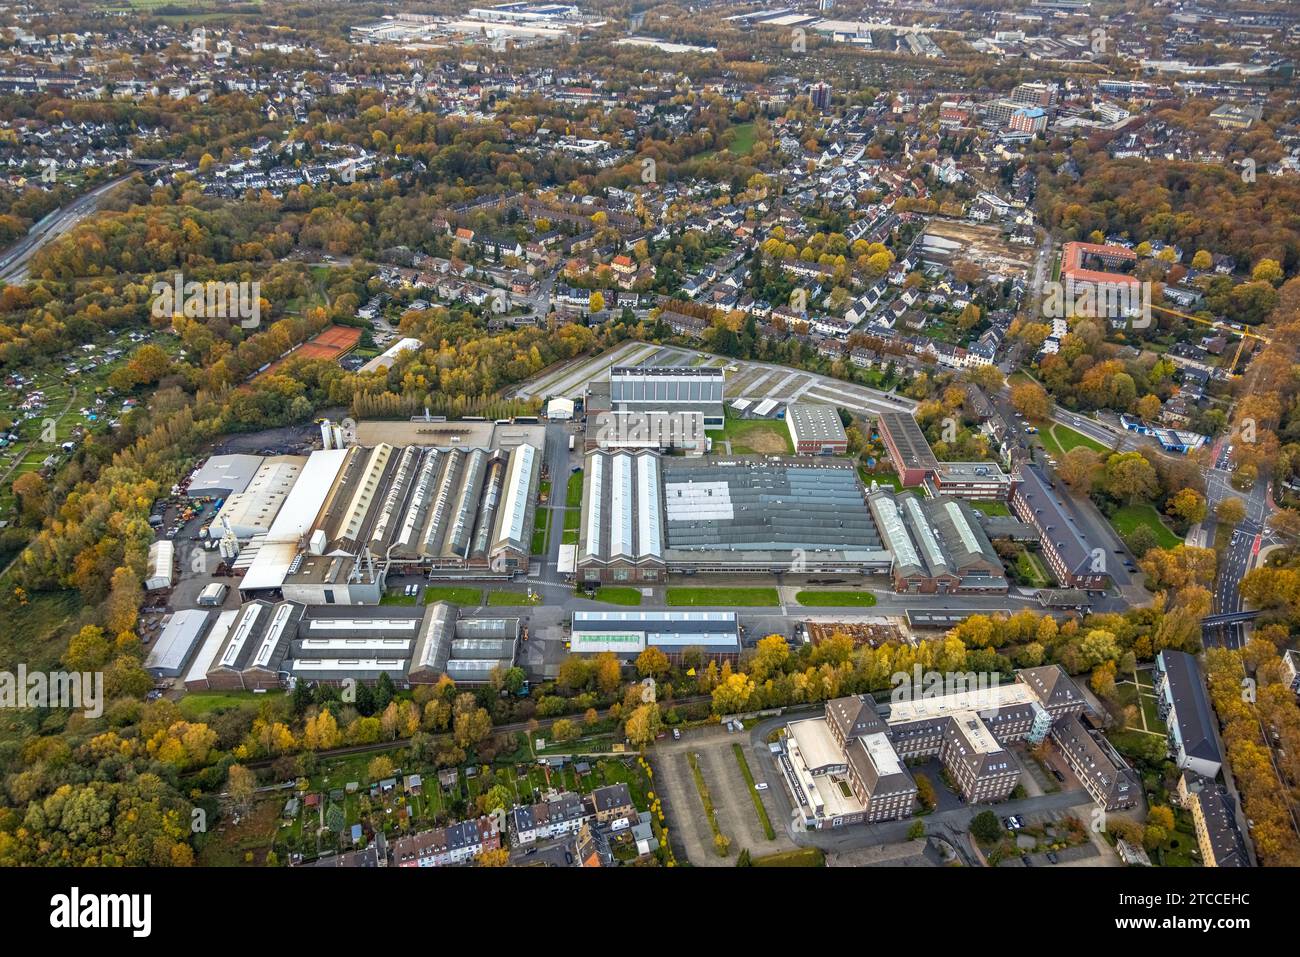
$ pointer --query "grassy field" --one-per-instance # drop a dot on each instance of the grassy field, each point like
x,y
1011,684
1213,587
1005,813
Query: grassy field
x,y
37,633
723,597
1059,439
888,481
991,508
1127,519
836,599
573,491
618,595
457,595
757,436
200,705
743,144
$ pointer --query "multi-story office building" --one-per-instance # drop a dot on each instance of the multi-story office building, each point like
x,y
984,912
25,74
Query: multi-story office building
x,y
978,481
907,447
1074,559
1099,767
849,766
1184,706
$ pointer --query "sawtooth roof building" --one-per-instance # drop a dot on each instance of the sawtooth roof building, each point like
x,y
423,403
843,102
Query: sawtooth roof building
x,y
644,516
354,513
907,446
938,545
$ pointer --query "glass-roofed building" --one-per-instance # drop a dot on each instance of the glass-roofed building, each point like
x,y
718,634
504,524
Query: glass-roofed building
x,y
644,516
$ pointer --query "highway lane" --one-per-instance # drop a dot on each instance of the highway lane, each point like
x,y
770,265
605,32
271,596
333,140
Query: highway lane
x,y
13,262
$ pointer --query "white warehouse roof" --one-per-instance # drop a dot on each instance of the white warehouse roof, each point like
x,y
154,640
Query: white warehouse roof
x,y
225,474
162,554
385,360
304,502
207,652
176,643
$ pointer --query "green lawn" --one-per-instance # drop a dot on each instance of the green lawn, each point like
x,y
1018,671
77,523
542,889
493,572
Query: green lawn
x,y
888,481
512,598
618,595
743,144
722,597
204,704
572,519
1059,439
455,595
1151,714
837,599
1127,519
991,508
573,491
1031,568
541,531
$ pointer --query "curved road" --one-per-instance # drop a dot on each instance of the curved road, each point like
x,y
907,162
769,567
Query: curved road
x,y
13,262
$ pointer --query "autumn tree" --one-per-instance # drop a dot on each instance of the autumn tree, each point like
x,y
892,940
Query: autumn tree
x,y
241,785
652,663
643,725
1031,400
1230,511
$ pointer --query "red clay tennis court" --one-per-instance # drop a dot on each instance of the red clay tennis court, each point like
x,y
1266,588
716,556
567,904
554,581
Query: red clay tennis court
x,y
330,343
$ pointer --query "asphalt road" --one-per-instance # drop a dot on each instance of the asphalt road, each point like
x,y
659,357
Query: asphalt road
x,y
13,263
1247,539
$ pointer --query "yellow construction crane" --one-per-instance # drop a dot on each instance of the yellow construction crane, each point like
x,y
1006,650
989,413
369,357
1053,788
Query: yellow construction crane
x,y
1222,327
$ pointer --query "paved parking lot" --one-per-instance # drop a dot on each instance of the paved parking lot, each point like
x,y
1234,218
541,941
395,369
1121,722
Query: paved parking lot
x,y
736,814
745,380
